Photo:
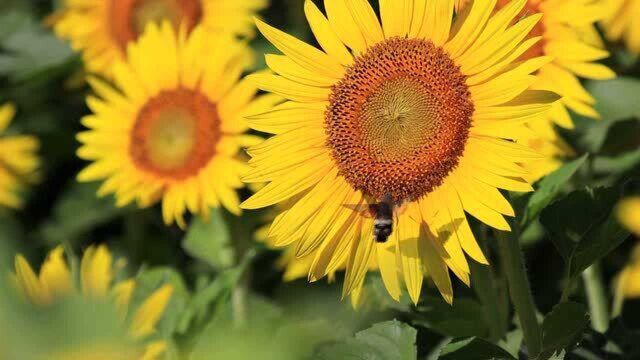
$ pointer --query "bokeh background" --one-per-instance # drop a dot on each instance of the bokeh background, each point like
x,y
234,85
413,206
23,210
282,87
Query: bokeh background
x,y
229,298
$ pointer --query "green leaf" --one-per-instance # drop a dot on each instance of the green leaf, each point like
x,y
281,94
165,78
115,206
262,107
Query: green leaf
x,y
474,349
209,241
598,243
618,164
562,328
77,211
569,219
512,342
465,318
583,227
622,136
616,100
200,303
550,187
28,48
268,335
390,340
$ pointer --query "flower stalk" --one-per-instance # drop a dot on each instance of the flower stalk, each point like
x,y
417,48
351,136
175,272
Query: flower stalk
x,y
596,297
519,288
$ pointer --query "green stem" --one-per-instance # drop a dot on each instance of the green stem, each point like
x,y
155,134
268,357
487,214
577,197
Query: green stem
x,y
519,290
618,303
239,307
566,291
239,304
483,283
596,297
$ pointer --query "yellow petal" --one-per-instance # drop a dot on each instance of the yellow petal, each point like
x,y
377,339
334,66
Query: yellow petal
x,y
96,272
55,276
147,316
325,35
122,294
28,283
7,112
301,53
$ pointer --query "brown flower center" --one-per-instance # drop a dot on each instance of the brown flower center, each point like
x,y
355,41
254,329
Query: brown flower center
x,y
129,17
398,121
175,134
531,7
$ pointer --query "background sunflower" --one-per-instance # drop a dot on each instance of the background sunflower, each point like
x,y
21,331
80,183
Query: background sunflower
x,y
18,161
102,30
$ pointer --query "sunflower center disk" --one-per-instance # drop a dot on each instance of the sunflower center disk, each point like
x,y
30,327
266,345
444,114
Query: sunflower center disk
x,y
130,17
398,121
175,134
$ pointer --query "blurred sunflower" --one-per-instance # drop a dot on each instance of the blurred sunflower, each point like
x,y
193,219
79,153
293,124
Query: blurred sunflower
x,y
629,214
568,35
18,161
414,109
96,282
622,23
175,130
542,137
102,30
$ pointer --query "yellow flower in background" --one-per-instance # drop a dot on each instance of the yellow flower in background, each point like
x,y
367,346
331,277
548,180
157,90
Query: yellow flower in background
x,y
629,214
568,35
622,23
55,281
103,29
627,282
542,137
414,109
173,126
18,160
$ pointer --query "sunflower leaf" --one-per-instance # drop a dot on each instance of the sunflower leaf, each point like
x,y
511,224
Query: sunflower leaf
x,y
29,49
473,349
212,292
269,334
562,329
462,319
390,340
549,188
209,240
616,100
583,228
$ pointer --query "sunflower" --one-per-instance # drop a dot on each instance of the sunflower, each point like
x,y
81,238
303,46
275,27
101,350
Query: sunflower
x,y
414,109
18,161
569,36
544,139
622,23
175,130
102,30
96,282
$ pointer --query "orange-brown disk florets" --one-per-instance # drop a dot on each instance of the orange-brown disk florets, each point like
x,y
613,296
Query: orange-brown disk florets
x,y
398,121
175,134
129,17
